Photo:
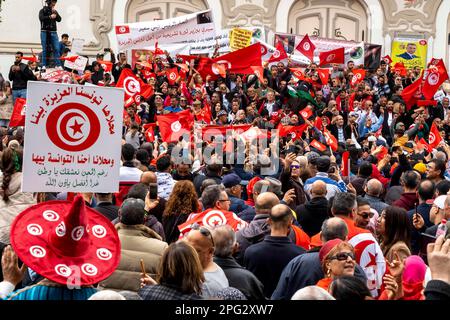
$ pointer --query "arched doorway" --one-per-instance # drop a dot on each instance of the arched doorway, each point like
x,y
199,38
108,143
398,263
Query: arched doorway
x,y
334,19
149,10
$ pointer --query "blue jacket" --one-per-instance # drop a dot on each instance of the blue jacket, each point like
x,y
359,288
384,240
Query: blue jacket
x,y
406,56
237,205
363,130
333,186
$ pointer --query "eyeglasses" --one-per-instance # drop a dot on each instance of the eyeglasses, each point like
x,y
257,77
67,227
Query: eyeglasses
x,y
204,232
366,215
294,166
224,200
343,256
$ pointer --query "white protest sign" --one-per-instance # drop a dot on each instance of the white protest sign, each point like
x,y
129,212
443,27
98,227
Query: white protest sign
x,y
77,46
72,138
79,64
175,30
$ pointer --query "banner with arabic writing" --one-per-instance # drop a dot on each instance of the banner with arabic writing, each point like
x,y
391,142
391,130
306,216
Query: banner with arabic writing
x,y
72,138
189,27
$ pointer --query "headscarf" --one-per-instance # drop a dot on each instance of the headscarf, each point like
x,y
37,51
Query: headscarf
x,y
413,278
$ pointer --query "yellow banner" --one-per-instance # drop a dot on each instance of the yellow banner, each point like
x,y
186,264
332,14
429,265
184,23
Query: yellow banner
x,y
240,38
412,53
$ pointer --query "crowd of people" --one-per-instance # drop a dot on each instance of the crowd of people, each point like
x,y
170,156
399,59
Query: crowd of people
x,y
366,219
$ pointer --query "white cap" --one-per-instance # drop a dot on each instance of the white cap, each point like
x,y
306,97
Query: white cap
x,y
440,201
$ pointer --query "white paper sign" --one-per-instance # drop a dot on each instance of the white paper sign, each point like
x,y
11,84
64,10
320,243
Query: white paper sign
x,y
189,27
79,64
77,46
72,138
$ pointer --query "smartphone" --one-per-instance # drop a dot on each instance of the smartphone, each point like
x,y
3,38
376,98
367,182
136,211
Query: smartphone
x,y
153,191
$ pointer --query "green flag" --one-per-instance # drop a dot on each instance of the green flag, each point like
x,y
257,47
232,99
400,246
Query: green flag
x,y
303,95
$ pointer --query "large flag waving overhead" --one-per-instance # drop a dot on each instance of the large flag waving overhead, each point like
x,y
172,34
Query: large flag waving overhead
x,y
133,86
241,61
412,93
333,56
306,47
173,125
434,77
279,54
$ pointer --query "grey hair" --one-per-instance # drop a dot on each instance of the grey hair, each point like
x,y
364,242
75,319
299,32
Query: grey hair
x,y
312,293
211,195
106,295
334,228
224,240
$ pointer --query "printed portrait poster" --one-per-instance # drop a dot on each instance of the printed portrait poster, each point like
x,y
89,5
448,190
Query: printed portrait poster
x,y
411,52
72,138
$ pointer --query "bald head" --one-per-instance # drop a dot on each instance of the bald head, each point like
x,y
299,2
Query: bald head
x,y
374,188
203,244
334,228
318,189
280,218
265,202
148,177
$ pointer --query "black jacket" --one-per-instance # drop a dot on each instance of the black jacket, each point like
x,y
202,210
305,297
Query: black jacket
x,y
47,23
107,209
20,78
241,279
437,290
312,214
267,259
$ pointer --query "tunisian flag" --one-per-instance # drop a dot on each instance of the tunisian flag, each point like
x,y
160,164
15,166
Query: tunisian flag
x,y
106,65
358,76
172,75
279,53
296,131
319,146
345,164
240,61
333,56
434,137
324,75
18,114
133,86
212,218
331,140
412,93
434,77
150,132
306,47
173,125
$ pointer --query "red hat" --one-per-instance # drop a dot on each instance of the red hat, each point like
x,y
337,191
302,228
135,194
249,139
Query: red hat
x,y
66,242
327,247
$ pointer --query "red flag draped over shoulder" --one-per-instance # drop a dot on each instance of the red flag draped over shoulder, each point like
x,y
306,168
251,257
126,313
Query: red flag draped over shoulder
x,y
173,125
212,218
306,47
18,114
434,77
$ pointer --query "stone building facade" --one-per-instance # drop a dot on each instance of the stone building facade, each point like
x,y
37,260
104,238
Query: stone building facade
x,y
374,21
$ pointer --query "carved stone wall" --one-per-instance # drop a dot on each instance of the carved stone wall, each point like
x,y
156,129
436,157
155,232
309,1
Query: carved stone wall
x,y
418,16
145,10
249,12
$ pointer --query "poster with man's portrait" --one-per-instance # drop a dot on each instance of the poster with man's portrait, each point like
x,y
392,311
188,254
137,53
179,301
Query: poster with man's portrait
x,y
410,52
287,40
